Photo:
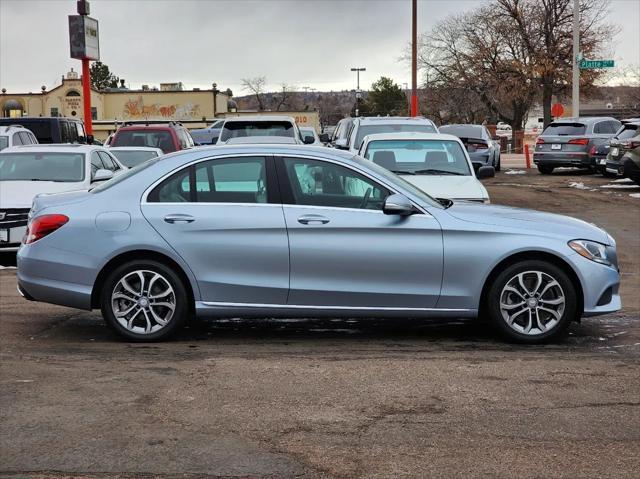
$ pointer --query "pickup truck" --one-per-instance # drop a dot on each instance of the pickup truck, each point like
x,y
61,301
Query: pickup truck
x,y
209,135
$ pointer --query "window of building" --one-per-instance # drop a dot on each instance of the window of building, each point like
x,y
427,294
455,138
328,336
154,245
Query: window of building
x,y
54,111
94,113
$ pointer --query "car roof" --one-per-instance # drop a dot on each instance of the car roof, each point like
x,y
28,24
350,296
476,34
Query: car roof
x,y
159,126
411,135
473,125
10,128
133,148
261,140
393,119
583,119
310,128
63,148
261,118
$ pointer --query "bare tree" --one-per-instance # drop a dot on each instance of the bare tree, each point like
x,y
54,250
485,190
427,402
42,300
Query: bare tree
x,y
256,86
282,97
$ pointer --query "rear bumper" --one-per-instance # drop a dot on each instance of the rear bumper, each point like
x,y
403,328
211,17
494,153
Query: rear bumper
x,y
559,159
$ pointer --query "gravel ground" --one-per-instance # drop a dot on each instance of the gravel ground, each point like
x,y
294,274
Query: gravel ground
x,y
332,398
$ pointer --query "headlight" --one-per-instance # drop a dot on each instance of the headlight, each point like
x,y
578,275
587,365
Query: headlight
x,y
591,250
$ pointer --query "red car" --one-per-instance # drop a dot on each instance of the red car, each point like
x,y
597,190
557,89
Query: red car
x,y
169,138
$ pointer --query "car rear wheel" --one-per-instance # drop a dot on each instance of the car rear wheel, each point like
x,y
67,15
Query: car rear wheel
x,y
144,301
532,302
545,169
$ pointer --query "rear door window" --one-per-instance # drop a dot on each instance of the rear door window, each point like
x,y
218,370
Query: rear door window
x,y
565,129
16,140
26,139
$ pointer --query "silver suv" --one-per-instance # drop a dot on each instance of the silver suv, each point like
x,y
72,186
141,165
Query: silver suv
x,y
383,124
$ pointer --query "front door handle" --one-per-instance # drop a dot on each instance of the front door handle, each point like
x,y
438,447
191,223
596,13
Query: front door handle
x,y
313,220
178,218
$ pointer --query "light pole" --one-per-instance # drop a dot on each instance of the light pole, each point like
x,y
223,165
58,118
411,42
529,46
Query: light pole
x,y
214,89
358,93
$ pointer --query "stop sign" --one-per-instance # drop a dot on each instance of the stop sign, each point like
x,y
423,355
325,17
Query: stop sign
x,y
557,110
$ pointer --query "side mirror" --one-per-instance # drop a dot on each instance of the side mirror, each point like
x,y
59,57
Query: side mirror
x,y
397,204
324,138
90,139
308,140
342,144
485,172
103,175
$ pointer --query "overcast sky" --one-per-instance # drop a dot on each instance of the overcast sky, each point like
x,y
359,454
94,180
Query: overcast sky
x,y
309,43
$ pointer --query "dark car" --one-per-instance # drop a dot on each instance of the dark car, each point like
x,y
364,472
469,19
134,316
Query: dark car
x,y
52,129
567,142
616,148
624,155
168,137
481,146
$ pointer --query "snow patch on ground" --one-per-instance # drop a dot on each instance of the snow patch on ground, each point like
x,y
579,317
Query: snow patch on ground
x,y
7,267
579,185
515,172
619,186
634,195
622,180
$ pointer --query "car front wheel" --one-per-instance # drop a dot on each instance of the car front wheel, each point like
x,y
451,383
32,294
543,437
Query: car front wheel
x,y
545,170
532,301
144,301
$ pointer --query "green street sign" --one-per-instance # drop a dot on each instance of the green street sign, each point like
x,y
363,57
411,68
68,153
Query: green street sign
x,y
595,64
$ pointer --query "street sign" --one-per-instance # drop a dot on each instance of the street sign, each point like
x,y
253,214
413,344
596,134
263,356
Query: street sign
x,y
557,110
83,37
595,64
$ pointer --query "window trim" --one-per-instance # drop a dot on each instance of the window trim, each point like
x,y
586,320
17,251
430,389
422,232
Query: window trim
x,y
273,188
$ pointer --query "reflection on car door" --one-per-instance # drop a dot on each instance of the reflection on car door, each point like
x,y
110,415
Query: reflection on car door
x,y
344,251
224,218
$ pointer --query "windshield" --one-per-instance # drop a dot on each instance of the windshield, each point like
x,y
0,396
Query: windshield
x,y
236,129
123,176
133,158
62,167
398,180
565,129
462,131
419,157
4,142
152,138
392,128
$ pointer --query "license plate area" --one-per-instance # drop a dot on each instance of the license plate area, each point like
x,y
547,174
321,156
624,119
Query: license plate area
x,y
556,146
614,151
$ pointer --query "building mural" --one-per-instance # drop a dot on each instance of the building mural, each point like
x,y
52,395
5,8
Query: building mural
x,y
135,108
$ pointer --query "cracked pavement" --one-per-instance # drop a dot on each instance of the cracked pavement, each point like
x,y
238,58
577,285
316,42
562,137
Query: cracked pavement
x,y
330,398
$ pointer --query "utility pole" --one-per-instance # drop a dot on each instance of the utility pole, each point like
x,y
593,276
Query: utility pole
x,y
414,58
575,94
358,93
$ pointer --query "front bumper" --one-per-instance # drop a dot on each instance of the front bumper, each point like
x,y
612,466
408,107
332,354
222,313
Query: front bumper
x,y
600,285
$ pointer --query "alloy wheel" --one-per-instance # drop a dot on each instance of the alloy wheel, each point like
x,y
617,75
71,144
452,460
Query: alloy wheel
x,y
143,301
532,303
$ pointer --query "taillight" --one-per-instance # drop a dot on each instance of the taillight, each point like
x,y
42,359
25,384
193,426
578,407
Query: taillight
x,y
579,141
539,141
41,226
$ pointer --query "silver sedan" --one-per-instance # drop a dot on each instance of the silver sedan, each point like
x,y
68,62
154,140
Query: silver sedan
x,y
298,231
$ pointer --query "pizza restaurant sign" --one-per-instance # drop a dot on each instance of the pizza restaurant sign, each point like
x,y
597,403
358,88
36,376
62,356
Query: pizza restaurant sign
x,y
73,103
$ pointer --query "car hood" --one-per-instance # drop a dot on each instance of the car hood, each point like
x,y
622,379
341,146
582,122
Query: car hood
x,y
449,186
535,221
20,194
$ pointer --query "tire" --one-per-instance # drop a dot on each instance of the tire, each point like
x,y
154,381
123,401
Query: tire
x,y
545,169
143,322
498,164
538,318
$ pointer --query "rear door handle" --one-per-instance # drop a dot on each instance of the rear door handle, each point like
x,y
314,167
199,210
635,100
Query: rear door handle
x,y
178,218
313,220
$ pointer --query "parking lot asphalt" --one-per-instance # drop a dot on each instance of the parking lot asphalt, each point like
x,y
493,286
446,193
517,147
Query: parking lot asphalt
x,y
333,398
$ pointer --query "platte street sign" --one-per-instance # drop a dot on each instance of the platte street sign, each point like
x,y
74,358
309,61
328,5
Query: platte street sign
x,y
594,64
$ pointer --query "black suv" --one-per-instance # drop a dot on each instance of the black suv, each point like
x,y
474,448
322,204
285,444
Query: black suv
x,y
52,129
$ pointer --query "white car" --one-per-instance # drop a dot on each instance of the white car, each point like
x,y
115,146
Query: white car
x,y
14,135
131,156
436,163
382,124
27,171
273,126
